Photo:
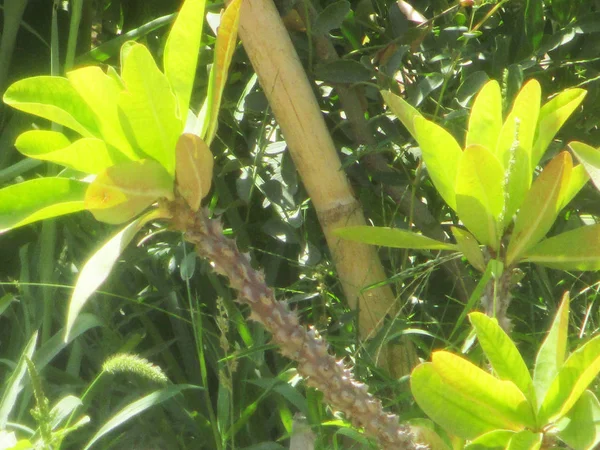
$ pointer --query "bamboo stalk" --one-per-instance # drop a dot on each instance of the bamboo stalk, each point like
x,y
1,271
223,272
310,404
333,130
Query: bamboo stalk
x,y
290,95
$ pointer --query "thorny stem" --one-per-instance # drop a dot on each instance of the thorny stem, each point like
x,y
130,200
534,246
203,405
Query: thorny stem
x,y
320,369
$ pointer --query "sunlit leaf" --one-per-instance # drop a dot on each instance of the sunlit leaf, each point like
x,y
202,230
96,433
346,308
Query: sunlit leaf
x,y
517,180
480,194
122,191
149,106
574,377
579,178
194,169
181,52
224,48
391,237
89,155
583,429
485,121
502,353
468,245
590,159
525,440
55,99
402,110
551,354
552,117
578,249
101,92
97,268
39,199
425,432
540,207
466,400
441,154
493,440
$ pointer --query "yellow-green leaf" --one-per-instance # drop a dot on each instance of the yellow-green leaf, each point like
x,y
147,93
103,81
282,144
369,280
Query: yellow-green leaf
x,y
540,207
578,249
101,92
502,353
402,110
579,177
224,48
552,116
590,159
88,155
181,52
122,191
194,169
441,154
525,440
468,245
391,237
485,121
480,194
551,354
149,106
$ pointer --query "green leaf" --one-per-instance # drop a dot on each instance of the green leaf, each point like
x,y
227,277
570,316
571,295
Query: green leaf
x,y
583,429
343,71
89,155
502,353
578,249
391,237
551,354
194,163
540,207
552,116
480,194
55,99
466,400
573,378
425,433
39,199
14,384
122,191
525,440
181,52
579,178
101,93
97,268
402,110
590,159
520,125
137,407
149,106
517,177
441,154
485,121
224,48
468,246
497,439
331,17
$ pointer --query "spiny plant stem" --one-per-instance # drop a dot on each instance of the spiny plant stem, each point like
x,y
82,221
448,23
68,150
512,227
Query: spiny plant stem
x,y
320,369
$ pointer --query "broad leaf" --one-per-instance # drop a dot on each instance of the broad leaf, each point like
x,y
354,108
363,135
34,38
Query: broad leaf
x,y
101,92
55,99
194,166
181,52
39,199
469,247
122,191
552,116
517,179
99,265
493,440
520,126
149,106
479,194
502,353
466,400
551,354
540,207
525,440
441,154
573,378
402,110
579,177
391,237
578,249
590,159
425,433
583,429
89,155
485,121
224,48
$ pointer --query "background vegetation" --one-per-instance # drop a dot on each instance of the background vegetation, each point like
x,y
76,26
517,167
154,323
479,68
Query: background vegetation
x,y
165,305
